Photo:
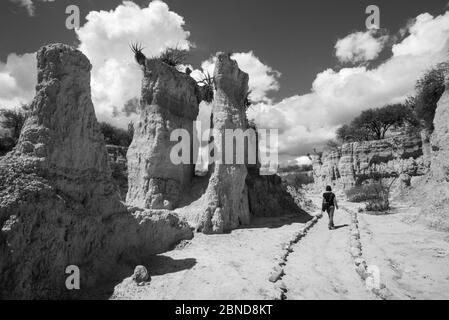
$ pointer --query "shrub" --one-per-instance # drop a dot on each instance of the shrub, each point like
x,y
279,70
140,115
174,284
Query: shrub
x,y
174,56
11,120
363,193
207,82
332,145
138,55
375,194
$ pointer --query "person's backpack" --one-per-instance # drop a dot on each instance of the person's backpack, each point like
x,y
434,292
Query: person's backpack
x,y
328,200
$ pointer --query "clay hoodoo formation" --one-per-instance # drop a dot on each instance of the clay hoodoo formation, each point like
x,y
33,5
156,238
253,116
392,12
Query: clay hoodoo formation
x,y
58,206
232,195
170,100
224,205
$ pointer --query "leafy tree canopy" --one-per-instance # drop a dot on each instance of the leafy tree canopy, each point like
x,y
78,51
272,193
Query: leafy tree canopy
x,y
429,90
116,136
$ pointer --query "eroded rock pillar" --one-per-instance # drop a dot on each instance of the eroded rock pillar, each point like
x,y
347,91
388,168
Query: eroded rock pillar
x,y
169,101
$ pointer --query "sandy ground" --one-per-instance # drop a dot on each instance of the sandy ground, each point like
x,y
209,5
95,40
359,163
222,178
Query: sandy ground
x,y
228,266
321,267
412,259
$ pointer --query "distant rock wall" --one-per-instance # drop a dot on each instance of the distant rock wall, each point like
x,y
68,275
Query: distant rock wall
x,y
170,100
357,162
58,204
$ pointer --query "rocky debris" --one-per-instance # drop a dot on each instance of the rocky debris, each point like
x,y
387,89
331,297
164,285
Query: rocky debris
x,y
277,272
357,162
141,275
170,100
58,204
360,265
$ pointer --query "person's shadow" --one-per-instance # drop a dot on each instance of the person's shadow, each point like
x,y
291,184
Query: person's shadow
x,y
341,226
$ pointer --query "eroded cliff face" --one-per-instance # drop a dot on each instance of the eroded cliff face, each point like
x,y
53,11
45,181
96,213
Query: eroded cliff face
x,y
357,162
439,140
58,205
431,193
170,100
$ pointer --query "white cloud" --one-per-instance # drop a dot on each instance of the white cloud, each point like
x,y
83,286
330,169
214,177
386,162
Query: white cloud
x,y
337,96
105,39
262,78
303,160
360,46
304,121
29,5
18,77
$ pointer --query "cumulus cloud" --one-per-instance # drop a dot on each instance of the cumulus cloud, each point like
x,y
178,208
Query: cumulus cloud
x,y
29,5
105,39
360,46
17,79
307,121
262,78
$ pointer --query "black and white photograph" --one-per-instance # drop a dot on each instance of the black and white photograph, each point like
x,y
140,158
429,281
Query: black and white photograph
x,y
224,155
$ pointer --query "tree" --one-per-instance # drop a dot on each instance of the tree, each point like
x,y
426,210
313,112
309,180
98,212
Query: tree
x,y
429,90
115,136
13,120
348,133
379,121
332,145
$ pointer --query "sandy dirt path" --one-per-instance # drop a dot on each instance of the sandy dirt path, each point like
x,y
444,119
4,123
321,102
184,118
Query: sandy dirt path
x,y
321,267
413,260
236,265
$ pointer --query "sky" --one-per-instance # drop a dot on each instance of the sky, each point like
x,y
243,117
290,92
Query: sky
x,y
313,65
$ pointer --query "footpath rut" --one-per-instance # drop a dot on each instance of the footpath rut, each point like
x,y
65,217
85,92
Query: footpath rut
x,y
320,266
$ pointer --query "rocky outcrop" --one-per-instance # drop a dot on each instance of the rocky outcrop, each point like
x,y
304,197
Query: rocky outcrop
x,y
58,205
169,101
356,162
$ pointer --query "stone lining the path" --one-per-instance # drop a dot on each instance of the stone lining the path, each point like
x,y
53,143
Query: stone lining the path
x,y
278,270
355,249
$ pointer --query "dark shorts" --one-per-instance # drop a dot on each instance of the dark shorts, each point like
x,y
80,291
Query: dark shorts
x,y
327,209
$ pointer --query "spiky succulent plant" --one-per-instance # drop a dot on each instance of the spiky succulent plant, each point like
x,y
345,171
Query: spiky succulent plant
x,y
207,82
138,55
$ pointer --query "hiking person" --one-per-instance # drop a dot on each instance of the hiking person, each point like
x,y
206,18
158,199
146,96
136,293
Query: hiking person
x,y
329,205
